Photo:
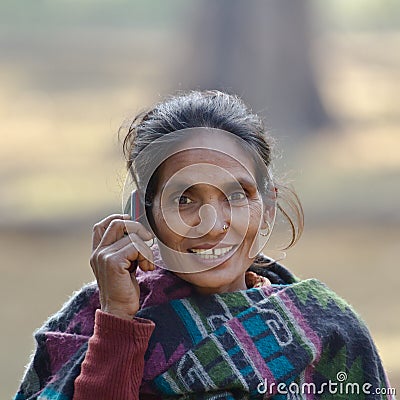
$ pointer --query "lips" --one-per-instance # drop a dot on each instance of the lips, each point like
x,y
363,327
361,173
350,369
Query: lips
x,y
206,252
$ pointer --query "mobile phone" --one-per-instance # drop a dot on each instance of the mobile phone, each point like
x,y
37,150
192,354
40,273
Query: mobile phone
x,y
133,206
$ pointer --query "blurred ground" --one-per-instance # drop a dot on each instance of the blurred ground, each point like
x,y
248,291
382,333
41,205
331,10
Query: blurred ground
x,y
347,177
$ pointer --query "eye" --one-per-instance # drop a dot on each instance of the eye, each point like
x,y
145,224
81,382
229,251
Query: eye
x,y
237,196
182,200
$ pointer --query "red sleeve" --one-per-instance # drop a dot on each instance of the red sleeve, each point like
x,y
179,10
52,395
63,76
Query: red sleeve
x,y
114,362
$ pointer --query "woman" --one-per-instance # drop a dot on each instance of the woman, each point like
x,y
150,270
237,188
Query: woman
x,y
202,313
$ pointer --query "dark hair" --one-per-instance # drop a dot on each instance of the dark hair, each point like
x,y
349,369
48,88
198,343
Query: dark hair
x,y
209,109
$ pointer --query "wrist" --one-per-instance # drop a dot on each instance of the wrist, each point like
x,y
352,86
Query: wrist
x,y
119,312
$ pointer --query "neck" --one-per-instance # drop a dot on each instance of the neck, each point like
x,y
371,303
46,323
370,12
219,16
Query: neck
x,y
239,284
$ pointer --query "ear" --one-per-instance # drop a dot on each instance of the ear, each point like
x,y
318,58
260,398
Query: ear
x,y
268,216
269,208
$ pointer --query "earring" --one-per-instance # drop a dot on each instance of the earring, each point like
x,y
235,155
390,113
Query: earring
x,y
225,227
268,230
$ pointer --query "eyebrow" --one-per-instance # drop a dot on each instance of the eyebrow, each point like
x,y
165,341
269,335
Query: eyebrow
x,y
182,186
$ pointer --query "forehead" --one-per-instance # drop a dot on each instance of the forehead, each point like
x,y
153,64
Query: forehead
x,y
208,156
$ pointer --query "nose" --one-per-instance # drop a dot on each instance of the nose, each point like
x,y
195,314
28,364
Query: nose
x,y
213,215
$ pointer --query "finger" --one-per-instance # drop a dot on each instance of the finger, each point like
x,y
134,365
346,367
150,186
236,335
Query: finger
x,y
138,229
134,254
115,231
139,250
145,259
118,228
100,228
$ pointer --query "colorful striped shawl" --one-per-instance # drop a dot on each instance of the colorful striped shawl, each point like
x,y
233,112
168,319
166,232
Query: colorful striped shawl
x,y
238,345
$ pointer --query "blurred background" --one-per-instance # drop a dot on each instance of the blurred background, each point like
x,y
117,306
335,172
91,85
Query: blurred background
x,y
324,74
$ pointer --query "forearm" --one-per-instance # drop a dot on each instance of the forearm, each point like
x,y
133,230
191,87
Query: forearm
x,y
114,362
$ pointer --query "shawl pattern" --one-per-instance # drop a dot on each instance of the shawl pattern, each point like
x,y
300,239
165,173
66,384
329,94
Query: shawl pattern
x,y
238,345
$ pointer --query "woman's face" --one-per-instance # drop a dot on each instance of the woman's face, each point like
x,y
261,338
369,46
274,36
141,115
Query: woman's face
x,y
200,192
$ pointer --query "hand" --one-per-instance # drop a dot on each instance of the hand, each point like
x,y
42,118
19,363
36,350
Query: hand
x,y
119,244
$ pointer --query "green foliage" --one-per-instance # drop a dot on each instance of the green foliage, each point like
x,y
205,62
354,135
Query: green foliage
x,y
112,13
25,14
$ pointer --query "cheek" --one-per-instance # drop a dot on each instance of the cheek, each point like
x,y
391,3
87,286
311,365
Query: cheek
x,y
183,219
161,227
256,211
163,231
247,217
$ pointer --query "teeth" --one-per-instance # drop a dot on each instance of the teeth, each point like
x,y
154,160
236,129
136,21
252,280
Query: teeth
x,y
211,253
203,251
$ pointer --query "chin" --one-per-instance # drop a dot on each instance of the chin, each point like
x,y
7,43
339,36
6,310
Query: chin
x,y
220,279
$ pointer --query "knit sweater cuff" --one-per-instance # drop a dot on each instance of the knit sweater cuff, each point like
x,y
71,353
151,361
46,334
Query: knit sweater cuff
x,y
139,328
114,362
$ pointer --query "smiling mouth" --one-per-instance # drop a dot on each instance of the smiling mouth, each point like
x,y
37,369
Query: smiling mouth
x,y
211,254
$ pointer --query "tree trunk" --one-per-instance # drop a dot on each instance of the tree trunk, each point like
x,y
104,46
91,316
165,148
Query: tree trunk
x,y
261,50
